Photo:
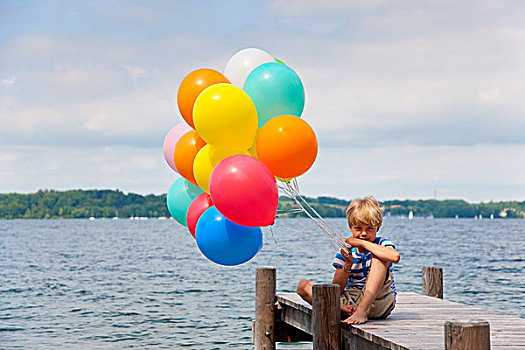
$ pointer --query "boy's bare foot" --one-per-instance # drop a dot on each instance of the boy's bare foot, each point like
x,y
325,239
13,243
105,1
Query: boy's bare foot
x,y
357,317
347,310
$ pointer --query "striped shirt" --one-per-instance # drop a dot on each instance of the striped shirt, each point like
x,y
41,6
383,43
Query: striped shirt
x,y
361,265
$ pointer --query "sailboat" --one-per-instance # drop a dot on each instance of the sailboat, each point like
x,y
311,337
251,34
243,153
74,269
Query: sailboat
x,y
410,215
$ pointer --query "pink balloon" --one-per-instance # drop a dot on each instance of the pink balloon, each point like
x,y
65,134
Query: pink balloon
x,y
195,210
171,140
244,190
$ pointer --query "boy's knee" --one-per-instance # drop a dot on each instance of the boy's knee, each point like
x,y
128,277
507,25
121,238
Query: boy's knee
x,y
301,287
383,265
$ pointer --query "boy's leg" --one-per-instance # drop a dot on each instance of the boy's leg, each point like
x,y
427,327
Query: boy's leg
x,y
349,300
385,300
374,282
304,289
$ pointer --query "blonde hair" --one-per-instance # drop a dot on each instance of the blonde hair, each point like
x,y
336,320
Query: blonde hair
x,y
364,211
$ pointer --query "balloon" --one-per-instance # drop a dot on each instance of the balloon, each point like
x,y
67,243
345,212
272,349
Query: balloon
x,y
275,89
185,151
225,242
179,197
195,210
190,88
287,145
206,160
245,191
171,140
243,63
225,117
284,179
252,151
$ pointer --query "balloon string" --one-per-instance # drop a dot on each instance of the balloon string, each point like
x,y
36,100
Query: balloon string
x,y
287,211
291,228
296,187
271,231
335,239
294,194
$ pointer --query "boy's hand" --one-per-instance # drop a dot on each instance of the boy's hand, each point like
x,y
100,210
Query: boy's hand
x,y
354,242
348,259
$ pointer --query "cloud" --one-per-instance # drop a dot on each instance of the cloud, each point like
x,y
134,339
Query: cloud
x,y
8,82
131,169
418,171
133,118
312,8
415,85
491,96
135,72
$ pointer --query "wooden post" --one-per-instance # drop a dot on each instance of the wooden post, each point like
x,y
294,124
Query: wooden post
x,y
326,317
469,335
265,286
432,281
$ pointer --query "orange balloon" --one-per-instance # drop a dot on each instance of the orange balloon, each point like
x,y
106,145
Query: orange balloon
x,y
287,145
185,151
192,85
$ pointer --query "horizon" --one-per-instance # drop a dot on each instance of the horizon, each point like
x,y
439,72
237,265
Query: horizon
x,y
408,99
380,200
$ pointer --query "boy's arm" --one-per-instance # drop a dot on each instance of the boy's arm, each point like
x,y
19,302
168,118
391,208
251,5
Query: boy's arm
x,y
388,253
341,276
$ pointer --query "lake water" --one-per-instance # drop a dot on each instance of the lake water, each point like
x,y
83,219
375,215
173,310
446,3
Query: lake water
x,y
114,284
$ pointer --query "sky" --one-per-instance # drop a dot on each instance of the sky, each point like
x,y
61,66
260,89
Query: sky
x,y
408,99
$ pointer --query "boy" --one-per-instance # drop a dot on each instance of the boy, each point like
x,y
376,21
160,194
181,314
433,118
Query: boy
x,y
364,276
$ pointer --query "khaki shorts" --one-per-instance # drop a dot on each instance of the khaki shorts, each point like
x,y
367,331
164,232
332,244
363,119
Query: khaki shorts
x,y
383,304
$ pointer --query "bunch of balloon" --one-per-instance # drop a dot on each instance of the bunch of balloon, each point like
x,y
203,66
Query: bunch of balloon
x,y
242,131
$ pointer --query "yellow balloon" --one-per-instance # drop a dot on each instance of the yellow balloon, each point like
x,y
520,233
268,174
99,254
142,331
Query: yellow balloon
x,y
225,116
206,160
202,168
284,179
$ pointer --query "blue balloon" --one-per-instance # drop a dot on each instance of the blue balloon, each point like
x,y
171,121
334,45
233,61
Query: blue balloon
x,y
225,242
275,90
179,197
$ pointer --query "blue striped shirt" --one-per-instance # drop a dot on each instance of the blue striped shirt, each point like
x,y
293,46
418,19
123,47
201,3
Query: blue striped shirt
x,y
361,265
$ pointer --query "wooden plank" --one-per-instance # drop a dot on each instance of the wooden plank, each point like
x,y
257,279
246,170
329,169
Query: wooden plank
x,y
296,318
287,333
293,299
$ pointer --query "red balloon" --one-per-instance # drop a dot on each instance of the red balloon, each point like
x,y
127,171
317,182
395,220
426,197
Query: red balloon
x,y
197,207
244,190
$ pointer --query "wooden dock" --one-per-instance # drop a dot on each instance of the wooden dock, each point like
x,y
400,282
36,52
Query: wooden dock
x,y
418,321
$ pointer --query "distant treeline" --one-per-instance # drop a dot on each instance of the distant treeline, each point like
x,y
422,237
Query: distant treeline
x,y
448,208
50,204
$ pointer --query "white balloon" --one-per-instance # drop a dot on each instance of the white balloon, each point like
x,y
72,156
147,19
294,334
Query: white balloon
x,y
243,63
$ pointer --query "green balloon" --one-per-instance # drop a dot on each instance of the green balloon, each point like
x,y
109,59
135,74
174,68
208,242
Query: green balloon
x,y
179,197
275,89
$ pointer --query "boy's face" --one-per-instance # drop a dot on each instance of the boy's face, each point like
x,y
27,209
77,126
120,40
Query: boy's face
x,y
364,231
